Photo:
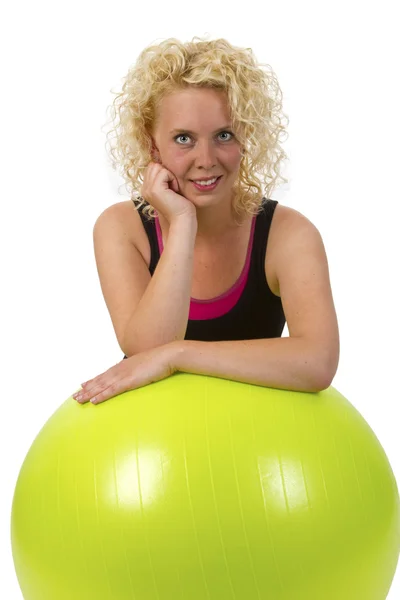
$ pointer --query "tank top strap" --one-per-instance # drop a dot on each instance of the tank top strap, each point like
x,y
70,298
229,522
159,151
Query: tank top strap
x,y
151,232
261,234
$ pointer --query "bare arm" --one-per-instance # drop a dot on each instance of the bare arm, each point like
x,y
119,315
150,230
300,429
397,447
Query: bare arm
x,y
284,363
162,313
305,361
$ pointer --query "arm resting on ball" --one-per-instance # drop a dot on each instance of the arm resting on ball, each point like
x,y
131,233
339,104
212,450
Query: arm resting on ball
x,y
285,363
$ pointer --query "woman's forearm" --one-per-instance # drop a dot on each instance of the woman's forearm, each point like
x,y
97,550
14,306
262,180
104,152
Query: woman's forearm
x,y
162,313
288,363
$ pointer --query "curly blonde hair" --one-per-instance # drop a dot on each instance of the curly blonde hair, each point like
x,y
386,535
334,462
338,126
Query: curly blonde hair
x,y
254,99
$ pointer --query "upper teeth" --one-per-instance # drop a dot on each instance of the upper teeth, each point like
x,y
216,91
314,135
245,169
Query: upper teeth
x,y
209,182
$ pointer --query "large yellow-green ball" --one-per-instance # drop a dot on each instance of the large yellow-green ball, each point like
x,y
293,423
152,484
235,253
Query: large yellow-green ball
x,y
199,488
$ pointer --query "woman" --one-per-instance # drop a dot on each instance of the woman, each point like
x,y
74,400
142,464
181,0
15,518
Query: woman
x,y
202,278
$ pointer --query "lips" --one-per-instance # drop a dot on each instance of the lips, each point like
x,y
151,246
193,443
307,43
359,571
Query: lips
x,y
206,179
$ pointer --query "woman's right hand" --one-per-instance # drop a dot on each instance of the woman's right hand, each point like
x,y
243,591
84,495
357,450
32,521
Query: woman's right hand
x,y
161,190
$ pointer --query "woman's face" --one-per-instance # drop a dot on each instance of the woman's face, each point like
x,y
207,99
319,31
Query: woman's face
x,y
193,139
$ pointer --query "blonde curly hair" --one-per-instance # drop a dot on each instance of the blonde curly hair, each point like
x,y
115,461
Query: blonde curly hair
x,y
254,99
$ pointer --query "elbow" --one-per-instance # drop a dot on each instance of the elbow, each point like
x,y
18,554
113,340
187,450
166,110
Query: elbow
x,y
316,384
326,370
130,349
323,379
322,384
134,342
133,349
318,379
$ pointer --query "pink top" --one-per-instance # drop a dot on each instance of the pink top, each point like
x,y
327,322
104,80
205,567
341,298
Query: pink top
x,y
216,307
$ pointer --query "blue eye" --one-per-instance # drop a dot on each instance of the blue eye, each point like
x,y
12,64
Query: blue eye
x,y
231,134
188,136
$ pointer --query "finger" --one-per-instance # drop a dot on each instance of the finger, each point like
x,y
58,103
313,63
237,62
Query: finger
x,y
85,394
113,390
96,385
92,387
101,381
175,185
81,397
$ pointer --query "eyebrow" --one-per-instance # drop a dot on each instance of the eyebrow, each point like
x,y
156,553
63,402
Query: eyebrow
x,y
193,132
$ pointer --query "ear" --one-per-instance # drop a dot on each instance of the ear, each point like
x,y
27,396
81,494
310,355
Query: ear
x,y
155,155
154,151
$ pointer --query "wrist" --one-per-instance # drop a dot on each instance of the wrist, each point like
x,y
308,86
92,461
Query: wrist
x,y
187,221
176,350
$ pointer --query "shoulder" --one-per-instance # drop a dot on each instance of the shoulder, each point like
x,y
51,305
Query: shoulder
x,y
124,218
286,224
124,212
293,231
286,218
289,228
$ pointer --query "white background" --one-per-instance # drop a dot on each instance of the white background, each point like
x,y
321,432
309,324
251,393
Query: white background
x,y
336,66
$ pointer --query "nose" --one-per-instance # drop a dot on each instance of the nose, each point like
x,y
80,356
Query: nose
x,y
205,155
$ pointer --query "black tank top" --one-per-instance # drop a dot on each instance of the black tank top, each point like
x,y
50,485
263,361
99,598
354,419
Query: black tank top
x,y
258,313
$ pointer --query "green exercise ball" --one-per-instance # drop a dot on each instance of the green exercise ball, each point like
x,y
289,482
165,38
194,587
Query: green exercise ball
x,y
200,488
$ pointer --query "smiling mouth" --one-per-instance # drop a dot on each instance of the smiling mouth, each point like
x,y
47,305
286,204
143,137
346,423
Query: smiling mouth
x,y
203,180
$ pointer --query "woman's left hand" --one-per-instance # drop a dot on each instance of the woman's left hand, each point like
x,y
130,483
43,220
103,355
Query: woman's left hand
x,y
129,374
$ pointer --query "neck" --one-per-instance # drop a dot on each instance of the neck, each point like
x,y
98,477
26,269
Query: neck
x,y
214,223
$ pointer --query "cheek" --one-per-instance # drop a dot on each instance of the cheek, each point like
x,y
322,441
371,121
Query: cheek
x,y
233,158
176,164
